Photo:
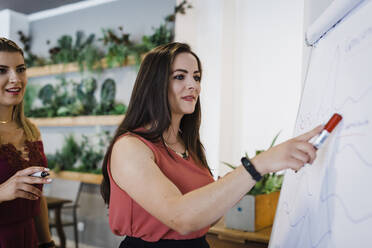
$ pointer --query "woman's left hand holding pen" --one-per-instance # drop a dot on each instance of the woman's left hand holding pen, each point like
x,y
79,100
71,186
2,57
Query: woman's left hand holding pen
x,y
20,185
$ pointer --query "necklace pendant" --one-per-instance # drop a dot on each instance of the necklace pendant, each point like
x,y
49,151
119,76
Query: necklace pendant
x,y
183,155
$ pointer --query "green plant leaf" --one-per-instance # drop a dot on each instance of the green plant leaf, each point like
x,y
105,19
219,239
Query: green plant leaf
x,y
275,138
229,165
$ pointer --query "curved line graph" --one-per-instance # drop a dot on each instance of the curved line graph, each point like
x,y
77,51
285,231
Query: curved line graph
x,y
357,153
323,111
325,199
357,124
320,208
353,100
303,220
348,214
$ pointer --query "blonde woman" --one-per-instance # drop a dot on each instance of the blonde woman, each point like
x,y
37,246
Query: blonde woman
x,y
23,210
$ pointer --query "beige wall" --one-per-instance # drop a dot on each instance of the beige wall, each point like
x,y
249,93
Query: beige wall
x,y
252,57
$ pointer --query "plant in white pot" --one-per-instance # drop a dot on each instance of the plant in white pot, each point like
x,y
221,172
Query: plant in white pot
x,y
256,210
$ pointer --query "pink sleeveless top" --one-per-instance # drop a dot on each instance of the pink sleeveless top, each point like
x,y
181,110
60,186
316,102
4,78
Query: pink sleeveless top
x,y
127,217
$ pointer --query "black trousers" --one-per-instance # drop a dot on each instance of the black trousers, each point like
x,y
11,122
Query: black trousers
x,y
131,242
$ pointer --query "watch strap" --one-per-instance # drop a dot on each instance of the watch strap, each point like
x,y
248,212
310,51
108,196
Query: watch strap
x,y
251,169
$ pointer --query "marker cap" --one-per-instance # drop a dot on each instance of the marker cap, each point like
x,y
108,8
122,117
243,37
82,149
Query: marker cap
x,y
332,123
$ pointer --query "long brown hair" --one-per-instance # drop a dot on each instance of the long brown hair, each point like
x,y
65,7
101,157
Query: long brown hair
x,y
149,106
31,131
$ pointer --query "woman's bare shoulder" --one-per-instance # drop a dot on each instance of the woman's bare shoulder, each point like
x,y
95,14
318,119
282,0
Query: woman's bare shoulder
x,y
132,146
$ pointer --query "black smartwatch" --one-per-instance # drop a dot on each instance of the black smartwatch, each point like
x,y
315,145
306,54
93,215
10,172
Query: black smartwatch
x,y
49,244
251,169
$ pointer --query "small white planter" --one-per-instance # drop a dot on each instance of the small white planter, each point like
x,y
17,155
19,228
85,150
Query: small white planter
x,y
252,213
241,216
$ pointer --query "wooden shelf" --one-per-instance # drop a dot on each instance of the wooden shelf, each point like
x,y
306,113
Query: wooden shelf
x,y
94,120
66,68
223,233
78,176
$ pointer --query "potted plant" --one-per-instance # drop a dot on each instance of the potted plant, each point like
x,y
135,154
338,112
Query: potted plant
x,y
71,98
80,160
256,210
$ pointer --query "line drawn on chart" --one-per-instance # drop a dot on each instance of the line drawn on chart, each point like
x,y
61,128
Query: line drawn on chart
x,y
334,212
353,100
356,152
324,110
356,124
325,199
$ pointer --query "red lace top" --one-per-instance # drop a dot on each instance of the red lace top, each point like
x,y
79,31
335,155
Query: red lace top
x,y
127,217
11,161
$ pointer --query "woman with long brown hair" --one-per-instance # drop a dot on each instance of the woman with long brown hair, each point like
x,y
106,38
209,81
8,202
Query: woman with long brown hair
x,y
157,183
23,210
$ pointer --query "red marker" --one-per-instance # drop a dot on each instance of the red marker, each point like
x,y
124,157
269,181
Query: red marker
x,y
328,128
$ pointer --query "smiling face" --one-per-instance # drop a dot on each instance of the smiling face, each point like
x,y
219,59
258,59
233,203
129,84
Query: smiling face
x,y
184,84
13,79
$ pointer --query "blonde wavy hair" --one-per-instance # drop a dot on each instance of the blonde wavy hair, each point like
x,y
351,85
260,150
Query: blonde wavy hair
x,y
32,133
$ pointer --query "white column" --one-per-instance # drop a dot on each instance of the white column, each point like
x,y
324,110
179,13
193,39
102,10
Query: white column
x,y
5,23
270,64
201,28
252,57
11,23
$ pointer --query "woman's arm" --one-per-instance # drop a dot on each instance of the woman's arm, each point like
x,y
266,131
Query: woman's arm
x,y
134,170
42,223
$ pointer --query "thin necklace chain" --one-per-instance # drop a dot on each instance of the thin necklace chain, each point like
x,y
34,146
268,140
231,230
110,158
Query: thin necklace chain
x,y
183,155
